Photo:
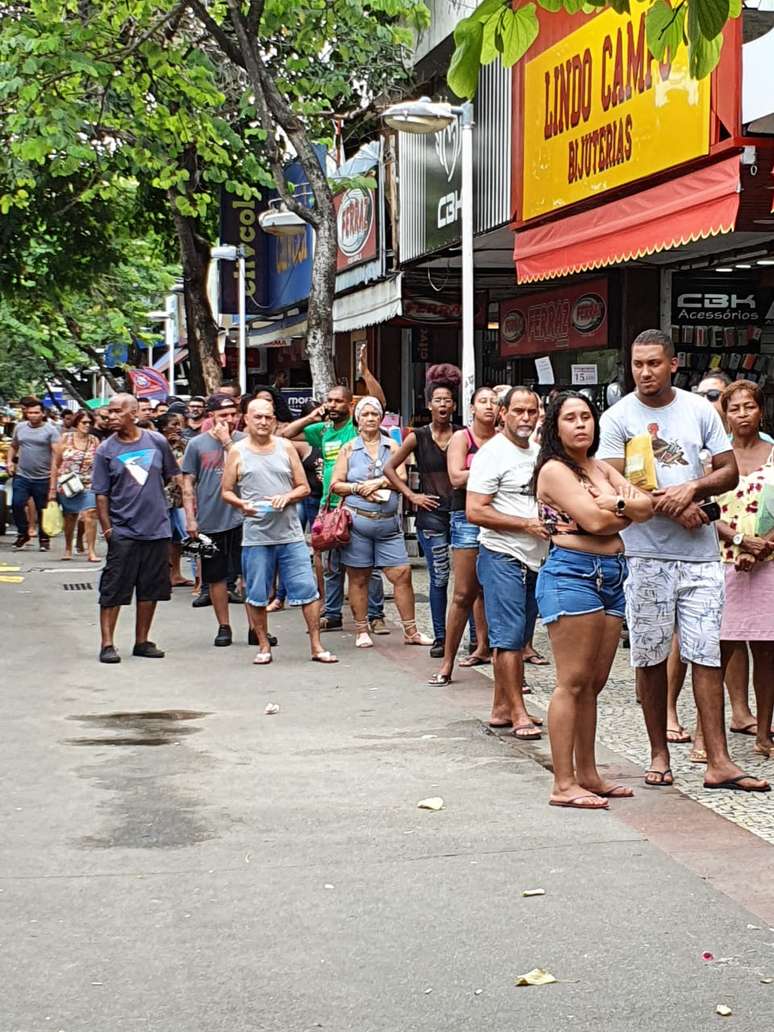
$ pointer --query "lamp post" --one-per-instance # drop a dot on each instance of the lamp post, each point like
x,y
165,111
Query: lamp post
x,y
424,117
231,253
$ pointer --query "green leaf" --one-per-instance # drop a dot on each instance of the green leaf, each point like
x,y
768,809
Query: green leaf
x,y
664,27
734,8
703,53
573,6
712,15
703,56
620,6
487,8
462,76
520,29
551,5
492,44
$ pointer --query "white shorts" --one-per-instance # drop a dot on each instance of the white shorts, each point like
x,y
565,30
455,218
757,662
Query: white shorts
x,y
666,595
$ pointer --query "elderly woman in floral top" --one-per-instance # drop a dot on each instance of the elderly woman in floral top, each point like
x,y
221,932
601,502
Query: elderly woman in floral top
x,y
746,530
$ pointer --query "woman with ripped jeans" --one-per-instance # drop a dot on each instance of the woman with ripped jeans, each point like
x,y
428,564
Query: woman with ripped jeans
x,y
432,502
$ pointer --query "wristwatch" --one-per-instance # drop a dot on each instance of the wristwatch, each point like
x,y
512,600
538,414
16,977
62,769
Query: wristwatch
x,y
620,506
738,539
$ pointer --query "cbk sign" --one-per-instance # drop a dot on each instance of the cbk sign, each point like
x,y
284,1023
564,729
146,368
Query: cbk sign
x,y
708,302
443,183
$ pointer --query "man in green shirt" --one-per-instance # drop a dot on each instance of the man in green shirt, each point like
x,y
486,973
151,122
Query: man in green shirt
x,y
329,428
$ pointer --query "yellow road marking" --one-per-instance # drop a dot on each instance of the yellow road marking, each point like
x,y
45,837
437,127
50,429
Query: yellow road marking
x,y
11,580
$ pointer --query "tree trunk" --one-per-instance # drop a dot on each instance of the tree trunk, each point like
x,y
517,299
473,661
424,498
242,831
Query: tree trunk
x,y
72,386
319,334
201,328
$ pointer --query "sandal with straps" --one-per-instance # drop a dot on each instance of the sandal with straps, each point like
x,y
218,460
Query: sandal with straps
x,y
363,639
414,637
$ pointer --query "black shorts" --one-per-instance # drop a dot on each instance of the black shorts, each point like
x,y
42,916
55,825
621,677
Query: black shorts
x,y
141,566
227,561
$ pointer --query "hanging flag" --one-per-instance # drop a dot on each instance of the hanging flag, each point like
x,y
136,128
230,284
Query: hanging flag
x,y
149,383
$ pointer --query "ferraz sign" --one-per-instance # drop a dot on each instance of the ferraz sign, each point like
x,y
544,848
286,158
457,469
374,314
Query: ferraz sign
x,y
356,227
600,111
555,320
702,302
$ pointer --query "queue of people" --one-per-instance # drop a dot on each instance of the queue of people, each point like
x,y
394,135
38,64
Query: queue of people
x,y
660,513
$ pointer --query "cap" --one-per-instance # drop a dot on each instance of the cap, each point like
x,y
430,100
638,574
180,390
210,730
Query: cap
x,y
216,402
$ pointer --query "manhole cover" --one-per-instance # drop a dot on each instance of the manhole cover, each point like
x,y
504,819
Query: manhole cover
x,y
82,586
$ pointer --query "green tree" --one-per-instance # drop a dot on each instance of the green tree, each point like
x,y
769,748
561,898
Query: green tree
x,y
498,29
181,100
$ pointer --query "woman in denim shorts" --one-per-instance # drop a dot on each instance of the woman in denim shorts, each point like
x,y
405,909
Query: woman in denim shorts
x,y
376,537
584,503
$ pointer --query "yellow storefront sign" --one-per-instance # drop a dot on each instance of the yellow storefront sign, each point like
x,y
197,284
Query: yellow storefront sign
x,y
601,111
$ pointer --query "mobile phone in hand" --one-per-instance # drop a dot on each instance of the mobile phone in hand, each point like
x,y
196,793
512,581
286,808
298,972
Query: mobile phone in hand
x,y
711,510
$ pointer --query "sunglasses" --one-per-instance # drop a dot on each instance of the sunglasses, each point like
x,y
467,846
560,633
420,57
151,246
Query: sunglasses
x,y
711,395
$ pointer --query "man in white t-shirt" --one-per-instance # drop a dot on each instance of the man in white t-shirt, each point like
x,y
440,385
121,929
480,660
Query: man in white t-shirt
x,y
675,575
512,545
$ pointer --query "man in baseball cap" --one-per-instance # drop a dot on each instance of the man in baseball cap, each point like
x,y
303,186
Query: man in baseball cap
x,y
205,510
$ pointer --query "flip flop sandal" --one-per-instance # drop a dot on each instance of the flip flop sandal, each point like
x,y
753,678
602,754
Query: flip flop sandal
x,y
537,660
763,750
471,661
617,792
499,727
734,784
683,738
662,774
576,803
262,659
324,657
536,736
748,729
363,641
441,680
697,756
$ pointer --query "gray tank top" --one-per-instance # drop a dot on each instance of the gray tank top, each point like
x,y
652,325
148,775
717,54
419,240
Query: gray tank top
x,y
264,475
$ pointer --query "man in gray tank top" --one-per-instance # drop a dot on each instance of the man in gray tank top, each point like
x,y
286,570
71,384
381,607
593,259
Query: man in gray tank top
x,y
264,479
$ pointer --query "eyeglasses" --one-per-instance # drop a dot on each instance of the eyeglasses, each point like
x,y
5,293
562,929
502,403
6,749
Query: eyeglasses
x,y
711,395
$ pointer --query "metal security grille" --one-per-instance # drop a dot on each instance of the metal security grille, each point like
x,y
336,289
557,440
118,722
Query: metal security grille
x,y
83,586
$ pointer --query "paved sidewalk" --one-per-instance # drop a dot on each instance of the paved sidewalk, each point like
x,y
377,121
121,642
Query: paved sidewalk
x,y
622,729
174,859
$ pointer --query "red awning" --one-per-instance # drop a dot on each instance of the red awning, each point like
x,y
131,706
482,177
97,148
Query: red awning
x,y
692,207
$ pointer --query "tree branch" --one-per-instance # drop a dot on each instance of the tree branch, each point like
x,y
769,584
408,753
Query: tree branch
x,y
216,31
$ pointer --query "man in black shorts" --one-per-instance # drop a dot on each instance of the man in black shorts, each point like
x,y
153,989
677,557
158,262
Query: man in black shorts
x,y
130,470
205,510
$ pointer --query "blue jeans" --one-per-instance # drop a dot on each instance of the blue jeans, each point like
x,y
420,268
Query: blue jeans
x,y
260,564
23,489
435,547
573,583
509,599
334,589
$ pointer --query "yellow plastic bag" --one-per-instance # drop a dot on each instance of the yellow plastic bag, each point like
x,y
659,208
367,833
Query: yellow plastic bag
x,y
53,522
640,464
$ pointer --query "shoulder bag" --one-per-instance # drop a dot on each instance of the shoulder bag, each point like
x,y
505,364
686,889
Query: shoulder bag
x,y
331,528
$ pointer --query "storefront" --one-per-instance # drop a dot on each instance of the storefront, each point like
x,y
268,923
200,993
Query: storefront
x,y
642,192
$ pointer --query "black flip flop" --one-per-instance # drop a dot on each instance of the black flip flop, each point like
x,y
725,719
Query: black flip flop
x,y
527,738
733,784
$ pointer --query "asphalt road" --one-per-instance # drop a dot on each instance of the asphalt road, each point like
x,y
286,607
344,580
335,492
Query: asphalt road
x,y
172,858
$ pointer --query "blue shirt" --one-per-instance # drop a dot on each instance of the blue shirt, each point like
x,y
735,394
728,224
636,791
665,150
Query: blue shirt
x,y
132,475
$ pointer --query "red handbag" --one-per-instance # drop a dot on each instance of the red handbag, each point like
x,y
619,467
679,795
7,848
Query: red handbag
x,y
331,528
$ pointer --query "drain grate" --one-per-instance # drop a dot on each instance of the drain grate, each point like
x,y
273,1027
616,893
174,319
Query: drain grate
x,y
84,586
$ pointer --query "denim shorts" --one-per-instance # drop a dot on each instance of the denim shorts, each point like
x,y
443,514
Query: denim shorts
x,y
573,583
77,503
261,563
509,599
463,534
375,543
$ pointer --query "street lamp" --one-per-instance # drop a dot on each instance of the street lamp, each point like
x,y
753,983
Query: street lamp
x,y
424,117
281,222
231,253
